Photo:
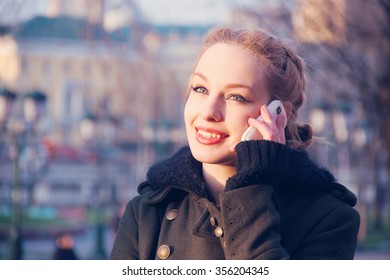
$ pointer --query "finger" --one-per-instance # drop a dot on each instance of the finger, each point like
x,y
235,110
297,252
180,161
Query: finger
x,y
265,129
265,114
276,132
269,131
280,120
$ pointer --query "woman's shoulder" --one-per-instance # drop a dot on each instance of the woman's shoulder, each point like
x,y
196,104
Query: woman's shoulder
x,y
307,185
306,177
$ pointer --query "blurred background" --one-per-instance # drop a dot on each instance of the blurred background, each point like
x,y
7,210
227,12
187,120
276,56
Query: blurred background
x,y
92,93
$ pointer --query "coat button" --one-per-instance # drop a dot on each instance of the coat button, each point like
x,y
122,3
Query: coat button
x,y
163,252
218,231
172,214
213,222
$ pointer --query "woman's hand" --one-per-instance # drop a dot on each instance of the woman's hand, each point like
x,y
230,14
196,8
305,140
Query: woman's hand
x,y
272,130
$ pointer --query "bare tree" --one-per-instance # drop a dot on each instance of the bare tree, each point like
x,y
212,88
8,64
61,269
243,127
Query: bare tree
x,y
346,45
352,40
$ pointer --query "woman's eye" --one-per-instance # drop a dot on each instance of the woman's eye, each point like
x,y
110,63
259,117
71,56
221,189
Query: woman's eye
x,y
199,89
237,98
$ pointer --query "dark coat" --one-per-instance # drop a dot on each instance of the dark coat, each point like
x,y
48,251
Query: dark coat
x,y
279,205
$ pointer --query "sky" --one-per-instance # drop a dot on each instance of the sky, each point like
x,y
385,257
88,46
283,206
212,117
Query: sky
x,y
184,11
156,11
12,11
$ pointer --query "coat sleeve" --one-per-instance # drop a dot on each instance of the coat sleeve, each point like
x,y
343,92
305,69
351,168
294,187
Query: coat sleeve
x,y
250,224
125,245
249,218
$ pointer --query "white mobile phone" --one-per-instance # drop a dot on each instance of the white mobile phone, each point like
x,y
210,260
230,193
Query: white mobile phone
x,y
275,108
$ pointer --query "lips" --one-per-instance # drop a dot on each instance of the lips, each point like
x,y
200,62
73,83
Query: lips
x,y
209,136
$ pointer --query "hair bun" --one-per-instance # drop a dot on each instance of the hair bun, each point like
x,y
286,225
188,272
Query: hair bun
x,y
305,133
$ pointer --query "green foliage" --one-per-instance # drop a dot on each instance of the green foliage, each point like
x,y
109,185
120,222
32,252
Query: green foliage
x,y
377,239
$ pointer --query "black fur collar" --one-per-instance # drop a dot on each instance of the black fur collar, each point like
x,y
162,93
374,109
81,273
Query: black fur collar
x,y
183,171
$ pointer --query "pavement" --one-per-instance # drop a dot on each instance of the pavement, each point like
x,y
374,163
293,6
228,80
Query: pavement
x,y
372,255
43,248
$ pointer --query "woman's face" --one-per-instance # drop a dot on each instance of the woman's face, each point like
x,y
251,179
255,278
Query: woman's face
x,y
227,87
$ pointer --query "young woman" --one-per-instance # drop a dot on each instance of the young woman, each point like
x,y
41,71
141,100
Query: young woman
x,y
223,198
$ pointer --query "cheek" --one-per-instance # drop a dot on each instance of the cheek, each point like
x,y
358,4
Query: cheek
x,y
239,118
191,108
239,125
188,114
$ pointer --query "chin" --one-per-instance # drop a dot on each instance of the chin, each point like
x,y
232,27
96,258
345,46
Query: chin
x,y
212,155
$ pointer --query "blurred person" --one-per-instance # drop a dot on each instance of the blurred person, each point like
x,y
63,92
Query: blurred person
x,y
64,248
224,198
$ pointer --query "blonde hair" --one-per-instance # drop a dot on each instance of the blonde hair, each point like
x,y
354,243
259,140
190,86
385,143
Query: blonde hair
x,y
283,71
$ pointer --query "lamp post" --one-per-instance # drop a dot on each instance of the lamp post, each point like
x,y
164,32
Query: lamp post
x,y
97,132
17,125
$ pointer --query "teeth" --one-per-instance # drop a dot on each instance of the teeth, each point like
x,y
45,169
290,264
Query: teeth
x,y
206,134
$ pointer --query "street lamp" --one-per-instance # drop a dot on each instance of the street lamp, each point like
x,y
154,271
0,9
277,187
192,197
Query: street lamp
x,y
6,99
17,125
34,106
97,131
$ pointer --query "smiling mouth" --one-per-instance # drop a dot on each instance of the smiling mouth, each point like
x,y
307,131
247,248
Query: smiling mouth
x,y
208,134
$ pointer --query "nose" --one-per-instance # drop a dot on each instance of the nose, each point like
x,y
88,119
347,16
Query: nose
x,y
212,109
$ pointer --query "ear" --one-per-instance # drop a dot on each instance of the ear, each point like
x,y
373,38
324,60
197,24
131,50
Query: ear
x,y
288,107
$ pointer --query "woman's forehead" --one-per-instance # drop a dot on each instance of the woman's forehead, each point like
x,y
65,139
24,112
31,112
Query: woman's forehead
x,y
231,60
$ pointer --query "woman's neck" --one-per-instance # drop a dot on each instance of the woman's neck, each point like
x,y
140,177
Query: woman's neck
x,y
215,176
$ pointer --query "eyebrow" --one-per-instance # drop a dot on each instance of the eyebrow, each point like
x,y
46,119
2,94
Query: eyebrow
x,y
229,86
203,77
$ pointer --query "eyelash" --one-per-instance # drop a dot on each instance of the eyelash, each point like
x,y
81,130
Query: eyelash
x,y
196,88
239,98
234,97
